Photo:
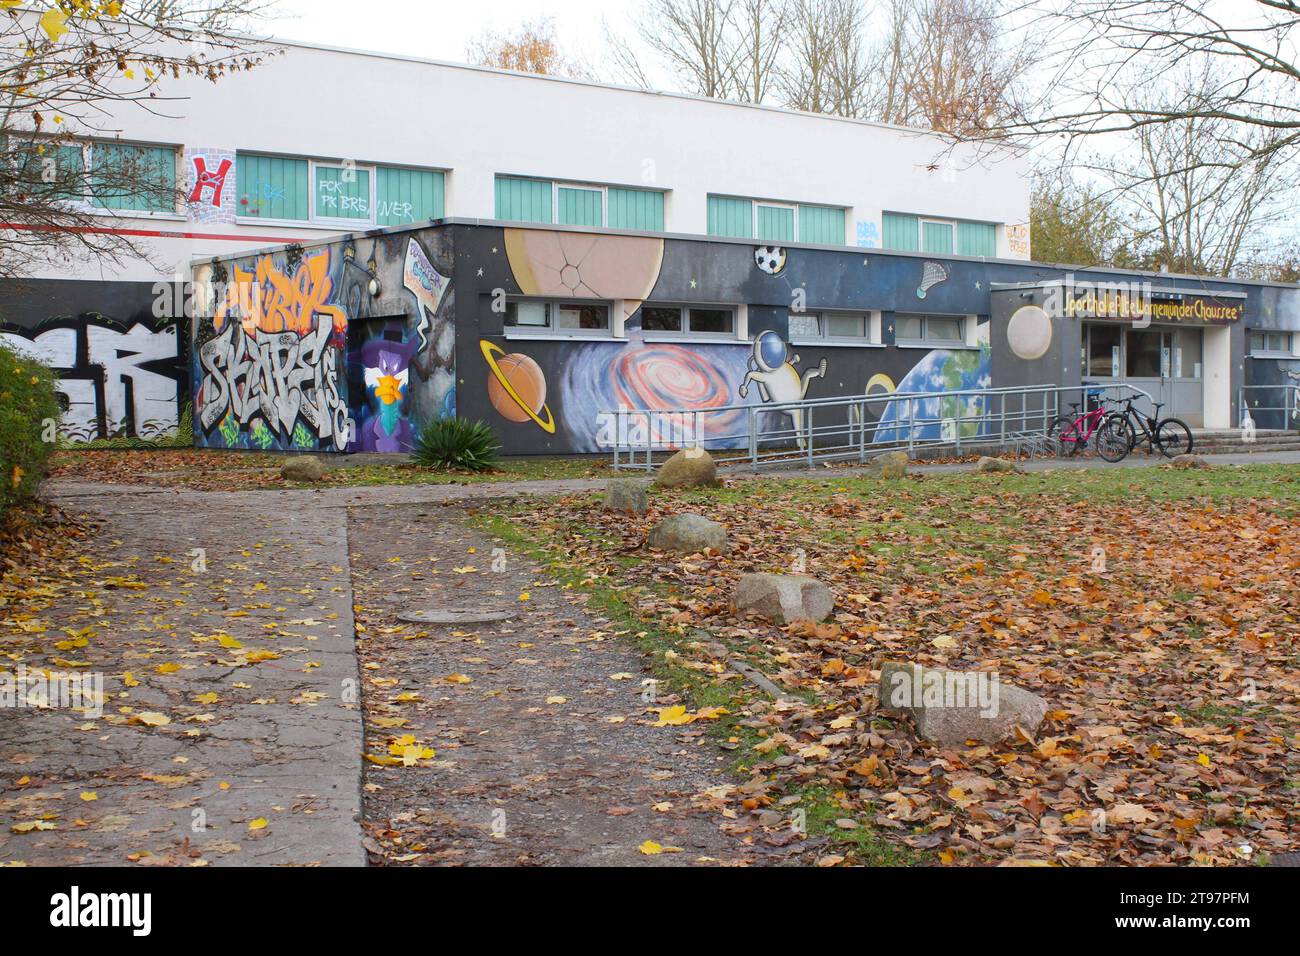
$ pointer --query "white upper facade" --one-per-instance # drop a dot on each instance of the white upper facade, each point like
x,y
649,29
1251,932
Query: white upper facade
x,y
315,126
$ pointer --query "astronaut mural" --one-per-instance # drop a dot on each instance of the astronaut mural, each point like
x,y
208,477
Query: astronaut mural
x,y
777,378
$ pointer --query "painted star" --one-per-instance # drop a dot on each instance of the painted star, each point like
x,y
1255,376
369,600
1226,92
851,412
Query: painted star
x,y
494,250
480,272
692,283
978,285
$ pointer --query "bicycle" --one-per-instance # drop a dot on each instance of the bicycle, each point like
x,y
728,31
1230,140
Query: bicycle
x,y
1071,433
1170,436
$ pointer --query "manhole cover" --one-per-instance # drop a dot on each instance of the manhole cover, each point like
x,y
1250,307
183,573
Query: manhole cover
x,y
454,616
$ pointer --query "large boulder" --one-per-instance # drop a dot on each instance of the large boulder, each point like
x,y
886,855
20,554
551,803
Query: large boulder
x,y
688,534
891,464
989,465
782,598
626,494
952,707
688,468
302,468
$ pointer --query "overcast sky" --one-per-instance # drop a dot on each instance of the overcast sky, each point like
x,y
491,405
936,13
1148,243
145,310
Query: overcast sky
x,y
441,29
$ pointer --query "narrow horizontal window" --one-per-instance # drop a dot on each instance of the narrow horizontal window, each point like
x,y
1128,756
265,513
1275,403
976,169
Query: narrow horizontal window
x,y
660,319
535,315
939,329
574,316
711,321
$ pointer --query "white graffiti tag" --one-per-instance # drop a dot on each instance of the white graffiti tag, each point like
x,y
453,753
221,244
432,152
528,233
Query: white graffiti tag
x,y
277,375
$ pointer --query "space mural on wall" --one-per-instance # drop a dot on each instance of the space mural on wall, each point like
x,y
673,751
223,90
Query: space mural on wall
x,y
597,392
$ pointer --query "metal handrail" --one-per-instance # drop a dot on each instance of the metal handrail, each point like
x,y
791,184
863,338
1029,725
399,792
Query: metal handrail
x,y
1285,415
836,429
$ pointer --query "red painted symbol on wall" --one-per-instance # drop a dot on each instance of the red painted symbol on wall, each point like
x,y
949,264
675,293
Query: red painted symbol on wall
x,y
209,179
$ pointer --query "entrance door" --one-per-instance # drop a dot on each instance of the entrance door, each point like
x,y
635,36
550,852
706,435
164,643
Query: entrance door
x,y
1166,362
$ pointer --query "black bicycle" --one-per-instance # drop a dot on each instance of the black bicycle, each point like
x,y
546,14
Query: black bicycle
x,y
1169,436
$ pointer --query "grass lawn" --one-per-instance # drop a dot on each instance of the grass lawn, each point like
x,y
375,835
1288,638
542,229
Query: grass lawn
x,y
217,470
1157,611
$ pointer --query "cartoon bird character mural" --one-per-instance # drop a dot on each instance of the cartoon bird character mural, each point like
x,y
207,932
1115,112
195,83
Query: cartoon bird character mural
x,y
387,370
777,379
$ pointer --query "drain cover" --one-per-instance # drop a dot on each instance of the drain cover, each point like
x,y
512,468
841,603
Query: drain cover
x,y
454,616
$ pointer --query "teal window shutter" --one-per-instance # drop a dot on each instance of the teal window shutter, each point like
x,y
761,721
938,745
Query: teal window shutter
x,y
729,217
821,224
775,223
635,209
579,207
340,195
901,232
523,200
977,239
404,196
272,187
133,178
936,237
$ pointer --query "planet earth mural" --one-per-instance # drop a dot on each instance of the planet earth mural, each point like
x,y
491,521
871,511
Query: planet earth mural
x,y
942,370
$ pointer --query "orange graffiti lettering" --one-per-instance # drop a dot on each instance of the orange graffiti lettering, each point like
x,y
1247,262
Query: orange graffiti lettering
x,y
267,300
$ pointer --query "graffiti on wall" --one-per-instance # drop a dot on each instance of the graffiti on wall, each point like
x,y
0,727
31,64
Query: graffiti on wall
x,y
517,387
383,360
210,184
435,330
772,369
270,376
944,415
113,381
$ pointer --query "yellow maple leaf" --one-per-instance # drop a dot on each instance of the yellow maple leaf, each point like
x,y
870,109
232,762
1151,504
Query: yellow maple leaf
x,y
89,795
225,640
1203,760
152,718
54,23
258,824
673,716
651,848
129,679
257,654
458,679
167,668
211,697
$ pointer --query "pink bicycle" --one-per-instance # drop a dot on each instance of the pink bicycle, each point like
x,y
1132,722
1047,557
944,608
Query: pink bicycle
x,y
1105,429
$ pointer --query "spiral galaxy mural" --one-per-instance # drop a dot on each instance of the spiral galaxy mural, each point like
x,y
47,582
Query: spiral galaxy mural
x,y
603,378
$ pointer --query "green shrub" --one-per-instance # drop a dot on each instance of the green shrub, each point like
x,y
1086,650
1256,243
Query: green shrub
x,y
27,408
456,443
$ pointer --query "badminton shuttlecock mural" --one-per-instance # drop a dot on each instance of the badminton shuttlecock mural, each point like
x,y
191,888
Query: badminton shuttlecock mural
x,y
932,273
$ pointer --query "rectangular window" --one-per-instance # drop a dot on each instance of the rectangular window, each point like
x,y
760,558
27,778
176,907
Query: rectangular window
x,y
846,326
823,225
523,200
635,209
977,239
342,192
732,218
1142,352
936,237
133,178
690,319
774,223
805,325
661,319
272,187
577,206
902,232
581,316
942,237
929,329
1264,342
404,196
535,315
1103,349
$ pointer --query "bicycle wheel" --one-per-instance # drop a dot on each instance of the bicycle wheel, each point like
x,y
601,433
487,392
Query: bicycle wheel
x,y
1065,436
1114,438
1173,438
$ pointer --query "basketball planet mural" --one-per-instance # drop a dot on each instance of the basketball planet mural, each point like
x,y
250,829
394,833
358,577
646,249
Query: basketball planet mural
x,y
517,387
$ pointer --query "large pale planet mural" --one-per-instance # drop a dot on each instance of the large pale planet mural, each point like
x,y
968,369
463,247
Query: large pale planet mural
x,y
1029,332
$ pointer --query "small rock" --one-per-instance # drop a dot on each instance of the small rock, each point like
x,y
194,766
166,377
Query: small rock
x,y
626,494
302,468
892,464
1189,461
688,533
782,598
987,464
688,468
952,707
